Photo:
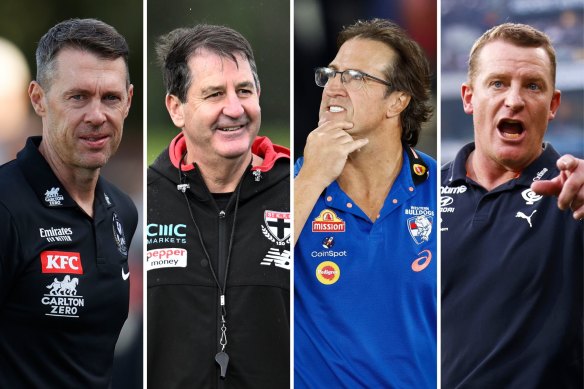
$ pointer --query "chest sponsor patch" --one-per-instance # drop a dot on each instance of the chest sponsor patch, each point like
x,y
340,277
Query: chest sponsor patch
x,y
328,272
166,257
56,234
53,198
277,227
61,262
328,221
62,298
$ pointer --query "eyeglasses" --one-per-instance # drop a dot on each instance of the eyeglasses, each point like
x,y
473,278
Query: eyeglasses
x,y
353,79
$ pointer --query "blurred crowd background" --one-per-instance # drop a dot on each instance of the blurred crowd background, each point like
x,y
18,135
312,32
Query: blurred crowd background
x,y
22,23
316,26
463,21
265,24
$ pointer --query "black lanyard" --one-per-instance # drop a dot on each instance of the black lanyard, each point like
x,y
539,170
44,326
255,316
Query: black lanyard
x,y
221,357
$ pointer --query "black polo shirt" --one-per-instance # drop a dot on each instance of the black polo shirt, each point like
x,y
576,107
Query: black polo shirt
x,y
64,277
512,279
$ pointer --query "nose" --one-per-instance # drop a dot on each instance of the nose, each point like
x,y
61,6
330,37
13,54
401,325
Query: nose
x,y
95,113
514,99
233,107
335,86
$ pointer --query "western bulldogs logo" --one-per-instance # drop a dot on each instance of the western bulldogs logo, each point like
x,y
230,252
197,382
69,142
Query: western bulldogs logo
x,y
420,228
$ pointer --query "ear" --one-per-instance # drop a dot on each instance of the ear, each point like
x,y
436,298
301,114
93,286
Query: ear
x,y
466,94
175,109
36,94
129,101
555,104
397,103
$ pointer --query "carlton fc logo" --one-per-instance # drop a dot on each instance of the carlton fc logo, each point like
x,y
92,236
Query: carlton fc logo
x,y
420,228
277,227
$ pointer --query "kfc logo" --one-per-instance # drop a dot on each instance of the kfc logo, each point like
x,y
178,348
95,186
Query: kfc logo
x,y
61,262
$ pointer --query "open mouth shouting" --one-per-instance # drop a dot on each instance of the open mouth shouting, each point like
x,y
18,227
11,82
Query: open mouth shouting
x,y
510,129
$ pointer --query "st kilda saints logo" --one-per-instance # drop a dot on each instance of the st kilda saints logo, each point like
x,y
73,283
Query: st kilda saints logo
x,y
276,227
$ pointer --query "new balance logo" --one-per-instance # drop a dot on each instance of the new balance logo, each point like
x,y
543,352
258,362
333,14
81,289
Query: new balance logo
x,y
524,216
279,259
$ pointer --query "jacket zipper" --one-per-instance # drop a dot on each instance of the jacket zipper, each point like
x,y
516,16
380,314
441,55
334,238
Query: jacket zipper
x,y
221,264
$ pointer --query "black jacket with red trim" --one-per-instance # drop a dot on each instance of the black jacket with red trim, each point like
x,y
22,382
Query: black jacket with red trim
x,y
183,298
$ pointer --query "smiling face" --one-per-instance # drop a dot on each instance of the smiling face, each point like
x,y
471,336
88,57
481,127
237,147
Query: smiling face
x,y
221,115
512,99
83,108
365,107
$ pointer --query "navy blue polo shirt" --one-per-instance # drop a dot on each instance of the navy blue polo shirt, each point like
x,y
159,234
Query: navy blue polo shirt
x,y
512,276
365,292
64,278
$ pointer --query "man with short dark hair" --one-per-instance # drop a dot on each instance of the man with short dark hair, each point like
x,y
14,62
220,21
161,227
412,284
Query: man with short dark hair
x,y
218,230
512,259
65,231
365,207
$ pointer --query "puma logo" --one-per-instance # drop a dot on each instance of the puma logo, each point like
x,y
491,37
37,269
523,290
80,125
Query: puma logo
x,y
524,216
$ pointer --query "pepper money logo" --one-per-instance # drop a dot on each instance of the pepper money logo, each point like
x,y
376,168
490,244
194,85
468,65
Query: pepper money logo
x,y
328,272
328,221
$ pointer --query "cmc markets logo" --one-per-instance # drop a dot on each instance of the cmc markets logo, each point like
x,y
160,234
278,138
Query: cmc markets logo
x,y
328,272
166,233
328,221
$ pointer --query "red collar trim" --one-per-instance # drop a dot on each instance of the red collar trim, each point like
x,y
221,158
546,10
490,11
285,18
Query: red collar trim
x,y
262,146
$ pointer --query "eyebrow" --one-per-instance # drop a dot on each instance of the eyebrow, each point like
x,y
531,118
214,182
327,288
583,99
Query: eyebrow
x,y
220,88
245,84
87,91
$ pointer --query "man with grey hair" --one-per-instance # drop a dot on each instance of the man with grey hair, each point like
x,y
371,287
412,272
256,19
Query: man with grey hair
x,y
512,254
65,231
218,230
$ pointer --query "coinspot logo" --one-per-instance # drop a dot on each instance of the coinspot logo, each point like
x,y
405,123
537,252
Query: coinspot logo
x,y
328,272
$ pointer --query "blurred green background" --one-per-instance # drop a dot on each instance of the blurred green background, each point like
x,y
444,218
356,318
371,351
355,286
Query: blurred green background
x,y
265,24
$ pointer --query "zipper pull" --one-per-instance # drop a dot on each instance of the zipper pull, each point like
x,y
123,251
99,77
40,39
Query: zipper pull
x,y
222,214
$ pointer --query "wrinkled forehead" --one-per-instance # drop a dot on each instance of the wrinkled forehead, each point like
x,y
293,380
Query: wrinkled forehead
x,y
363,54
517,57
